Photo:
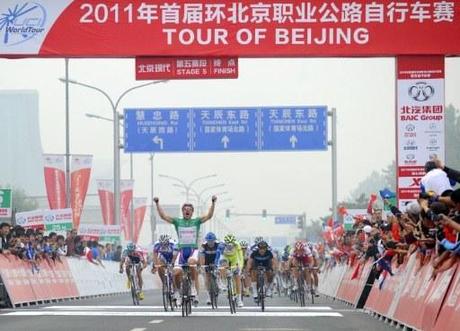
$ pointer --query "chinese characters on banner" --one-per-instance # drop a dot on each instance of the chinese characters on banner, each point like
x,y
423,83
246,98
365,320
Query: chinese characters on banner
x,y
420,120
185,68
231,28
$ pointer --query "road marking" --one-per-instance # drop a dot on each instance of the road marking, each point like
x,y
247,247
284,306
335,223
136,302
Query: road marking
x,y
138,329
267,308
272,329
171,314
156,322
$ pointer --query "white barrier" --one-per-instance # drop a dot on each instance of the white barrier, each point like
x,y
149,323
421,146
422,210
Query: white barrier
x,y
330,279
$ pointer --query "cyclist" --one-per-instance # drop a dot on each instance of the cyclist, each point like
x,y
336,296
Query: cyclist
x,y
133,256
284,266
261,257
246,280
187,229
315,264
164,253
208,254
231,255
301,256
257,240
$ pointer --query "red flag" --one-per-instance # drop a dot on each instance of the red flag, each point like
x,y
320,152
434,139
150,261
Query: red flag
x,y
140,207
106,198
55,180
126,188
372,199
356,272
81,171
342,211
330,222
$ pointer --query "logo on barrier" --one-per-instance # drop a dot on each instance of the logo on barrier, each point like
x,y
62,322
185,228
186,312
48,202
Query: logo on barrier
x,y
22,22
50,218
421,91
21,221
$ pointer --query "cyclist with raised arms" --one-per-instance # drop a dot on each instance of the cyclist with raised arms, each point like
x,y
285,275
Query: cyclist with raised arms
x,y
131,256
164,253
208,257
261,257
231,255
187,229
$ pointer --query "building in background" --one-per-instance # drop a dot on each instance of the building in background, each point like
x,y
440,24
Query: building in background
x,y
21,164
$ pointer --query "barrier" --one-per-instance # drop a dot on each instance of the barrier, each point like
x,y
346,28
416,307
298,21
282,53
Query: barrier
x,y
23,286
69,278
411,297
330,279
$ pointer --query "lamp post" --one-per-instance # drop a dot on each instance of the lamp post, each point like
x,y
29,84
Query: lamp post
x,y
116,136
153,224
131,169
186,186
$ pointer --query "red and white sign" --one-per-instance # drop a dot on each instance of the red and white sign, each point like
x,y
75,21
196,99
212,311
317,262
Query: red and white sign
x,y
126,196
126,28
81,171
420,120
140,207
106,198
148,68
91,232
55,180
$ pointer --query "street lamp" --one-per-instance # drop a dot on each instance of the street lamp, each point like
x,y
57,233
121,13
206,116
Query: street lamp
x,y
116,136
131,167
184,184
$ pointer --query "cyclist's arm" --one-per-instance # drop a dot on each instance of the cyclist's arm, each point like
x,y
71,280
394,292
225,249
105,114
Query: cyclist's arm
x,y
240,258
210,213
122,261
162,214
219,251
249,266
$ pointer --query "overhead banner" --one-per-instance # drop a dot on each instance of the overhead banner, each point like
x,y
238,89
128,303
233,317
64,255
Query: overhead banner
x,y
81,171
91,28
420,120
140,207
126,196
55,180
106,198
6,200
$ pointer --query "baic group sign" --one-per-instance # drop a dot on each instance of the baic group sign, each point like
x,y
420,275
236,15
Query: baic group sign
x,y
244,28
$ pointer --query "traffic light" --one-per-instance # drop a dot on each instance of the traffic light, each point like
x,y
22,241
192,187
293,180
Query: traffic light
x,y
227,214
301,221
264,214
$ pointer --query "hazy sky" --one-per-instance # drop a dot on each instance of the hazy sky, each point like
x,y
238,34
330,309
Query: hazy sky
x,y
362,90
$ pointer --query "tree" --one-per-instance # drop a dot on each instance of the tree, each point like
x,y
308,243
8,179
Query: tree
x,y
452,137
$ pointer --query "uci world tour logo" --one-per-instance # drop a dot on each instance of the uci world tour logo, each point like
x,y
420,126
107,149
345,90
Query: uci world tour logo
x,y
21,23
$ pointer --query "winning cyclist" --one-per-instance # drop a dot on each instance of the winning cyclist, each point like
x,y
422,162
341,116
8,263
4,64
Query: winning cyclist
x,y
187,229
231,254
208,253
164,253
130,256
261,257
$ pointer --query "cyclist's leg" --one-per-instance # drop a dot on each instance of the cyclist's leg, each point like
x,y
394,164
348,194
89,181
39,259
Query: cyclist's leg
x,y
223,265
193,262
177,276
254,282
294,264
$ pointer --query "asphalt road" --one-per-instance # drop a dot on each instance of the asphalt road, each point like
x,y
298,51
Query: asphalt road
x,y
117,313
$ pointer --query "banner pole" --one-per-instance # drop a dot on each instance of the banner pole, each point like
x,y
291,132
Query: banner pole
x,y
67,134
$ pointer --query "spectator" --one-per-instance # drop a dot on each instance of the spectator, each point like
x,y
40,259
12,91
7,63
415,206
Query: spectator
x,y
4,238
61,247
435,180
117,254
108,256
70,242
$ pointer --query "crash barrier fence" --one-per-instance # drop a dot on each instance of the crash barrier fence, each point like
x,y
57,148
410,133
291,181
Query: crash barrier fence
x,y
69,278
412,297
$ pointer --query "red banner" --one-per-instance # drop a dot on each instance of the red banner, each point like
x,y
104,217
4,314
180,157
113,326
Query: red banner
x,y
81,171
126,28
140,207
148,68
106,198
126,196
55,180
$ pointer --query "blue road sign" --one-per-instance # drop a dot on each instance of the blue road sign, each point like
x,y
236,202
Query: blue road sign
x,y
225,129
288,219
157,130
293,128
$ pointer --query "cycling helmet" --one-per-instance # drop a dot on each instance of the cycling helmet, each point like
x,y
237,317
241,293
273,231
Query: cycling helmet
x,y
230,239
130,247
287,248
258,240
262,244
164,239
299,245
244,244
210,236
310,244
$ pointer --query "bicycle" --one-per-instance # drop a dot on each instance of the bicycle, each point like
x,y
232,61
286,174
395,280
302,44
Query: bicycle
x,y
310,287
231,289
261,287
133,281
187,297
167,288
213,287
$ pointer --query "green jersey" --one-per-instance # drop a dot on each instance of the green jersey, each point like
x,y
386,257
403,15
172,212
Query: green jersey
x,y
187,231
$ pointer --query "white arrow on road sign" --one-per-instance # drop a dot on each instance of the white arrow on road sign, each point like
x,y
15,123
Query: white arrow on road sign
x,y
293,140
225,140
157,140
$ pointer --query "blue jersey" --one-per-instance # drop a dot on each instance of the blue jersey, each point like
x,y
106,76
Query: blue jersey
x,y
165,252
